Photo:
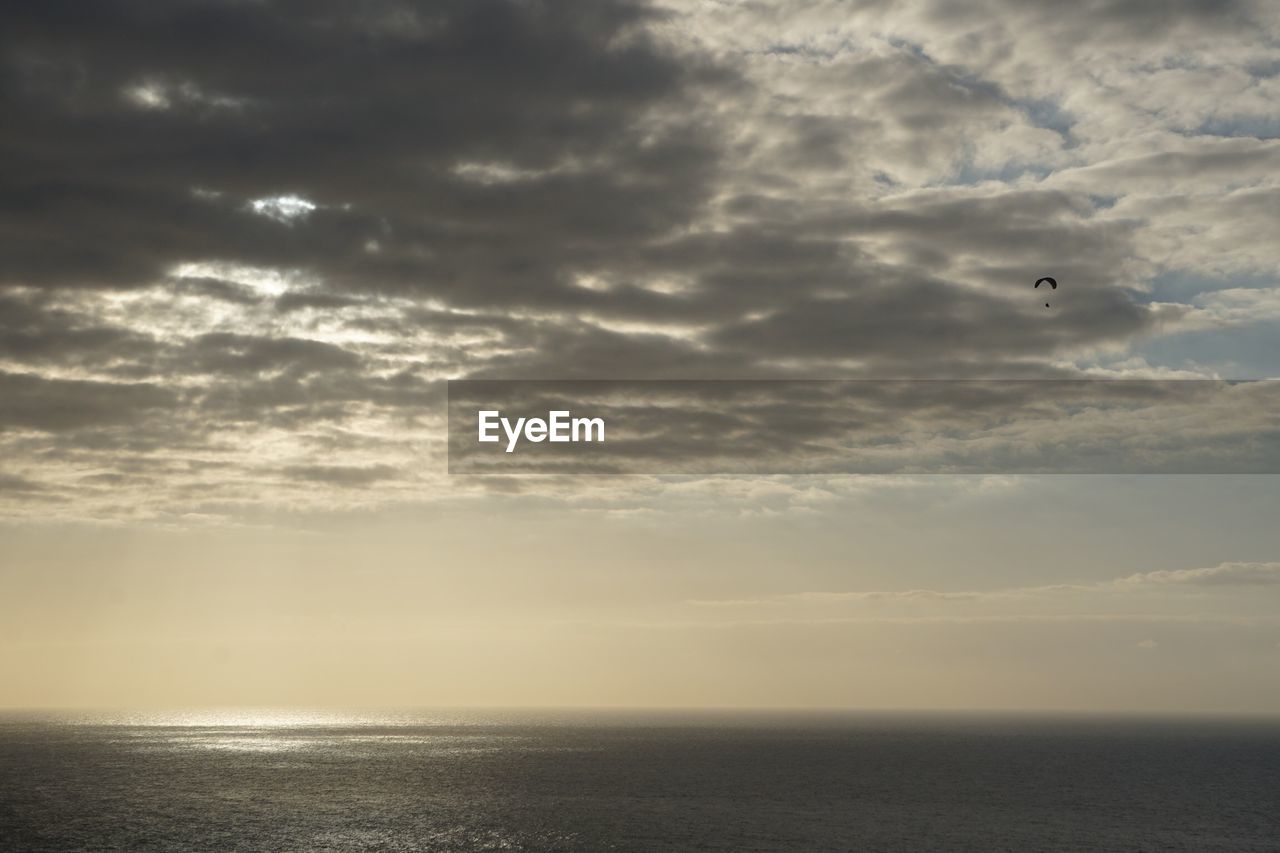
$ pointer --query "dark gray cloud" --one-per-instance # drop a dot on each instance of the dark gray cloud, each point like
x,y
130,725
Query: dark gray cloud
x,y
228,353
19,485
139,132
32,331
55,405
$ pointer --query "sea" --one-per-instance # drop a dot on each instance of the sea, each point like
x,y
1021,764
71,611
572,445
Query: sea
x,y
264,780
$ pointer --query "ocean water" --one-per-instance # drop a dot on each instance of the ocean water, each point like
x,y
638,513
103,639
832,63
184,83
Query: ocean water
x,y
598,782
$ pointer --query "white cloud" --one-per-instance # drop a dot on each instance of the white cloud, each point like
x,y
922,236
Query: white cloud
x,y
1224,577
283,208
1221,575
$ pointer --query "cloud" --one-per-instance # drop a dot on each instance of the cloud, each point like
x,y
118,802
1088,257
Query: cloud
x,y
53,405
236,230
1227,577
534,85
21,485
341,475
1221,575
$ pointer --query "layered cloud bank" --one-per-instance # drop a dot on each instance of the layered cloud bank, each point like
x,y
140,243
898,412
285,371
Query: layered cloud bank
x,y
246,243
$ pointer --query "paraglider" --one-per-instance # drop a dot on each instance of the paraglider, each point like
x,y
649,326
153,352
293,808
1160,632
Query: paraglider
x,y
1053,283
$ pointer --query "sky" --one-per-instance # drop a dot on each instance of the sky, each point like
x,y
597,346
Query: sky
x,y
245,244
